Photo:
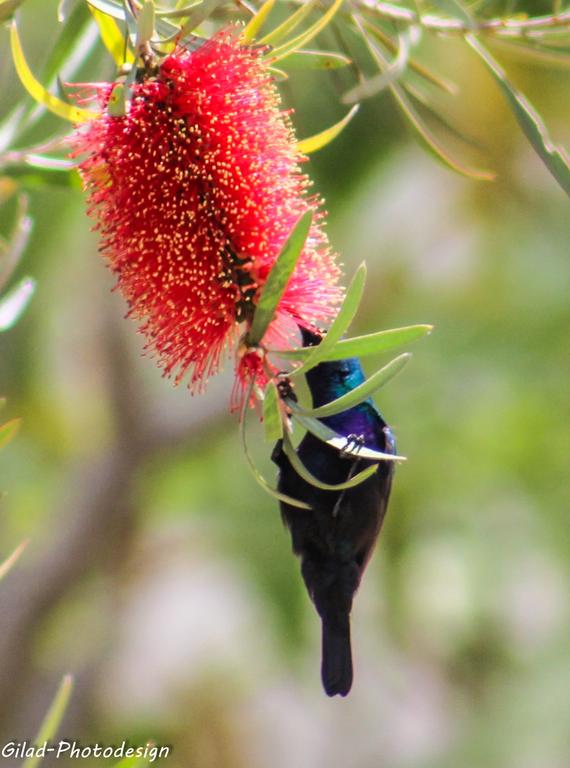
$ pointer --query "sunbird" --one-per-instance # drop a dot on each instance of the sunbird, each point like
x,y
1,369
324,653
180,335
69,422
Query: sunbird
x,y
336,537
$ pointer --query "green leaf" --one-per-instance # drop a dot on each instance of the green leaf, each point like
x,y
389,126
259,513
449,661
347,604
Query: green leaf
x,y
254,26
73,45
71,40
278,278
340,323
255,472
361,346
301,40
332,438
145,23
47,163
554,157
196,17
426,136
15,302
117,102
37,91
112,37
316,60
10,561
8,431
116,10
272,414
391,74
52,719
177,13
303,472
290,23
432,143
363,392
419,69
320,140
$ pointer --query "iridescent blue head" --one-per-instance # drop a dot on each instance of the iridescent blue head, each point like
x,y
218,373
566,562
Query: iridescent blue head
x,y
330,380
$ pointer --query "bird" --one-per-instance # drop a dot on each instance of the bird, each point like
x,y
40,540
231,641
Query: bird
x,y
335,538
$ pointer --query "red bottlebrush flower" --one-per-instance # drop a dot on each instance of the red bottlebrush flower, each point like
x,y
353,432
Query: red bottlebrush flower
x,y
195,191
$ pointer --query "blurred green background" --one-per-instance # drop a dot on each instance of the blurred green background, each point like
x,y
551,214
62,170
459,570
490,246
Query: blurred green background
x,y
160,575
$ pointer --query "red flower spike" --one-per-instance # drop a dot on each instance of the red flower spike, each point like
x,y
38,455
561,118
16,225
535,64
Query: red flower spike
x,y
195,191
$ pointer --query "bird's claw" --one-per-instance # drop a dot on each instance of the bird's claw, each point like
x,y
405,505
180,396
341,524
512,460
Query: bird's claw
x,y
353,444
285,388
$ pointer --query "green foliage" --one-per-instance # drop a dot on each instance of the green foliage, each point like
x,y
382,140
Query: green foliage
x,y
52,719
272,420
339,325
362,392
303,472
277,279
529,120
362,346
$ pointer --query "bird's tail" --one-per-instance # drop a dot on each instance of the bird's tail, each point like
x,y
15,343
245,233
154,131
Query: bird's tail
x,y
336,668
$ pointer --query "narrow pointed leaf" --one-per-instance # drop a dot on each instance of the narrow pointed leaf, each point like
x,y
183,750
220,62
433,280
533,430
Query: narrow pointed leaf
x,y
303,472
37,90
112,37
278,278
73,45
254,26
177,13
316,60
10,561
432,143
332,438
391,74
117,102
320,140
15,302
145,23
426,136
528,119
47,163
290,23
361,346
363,392
256,473
116,10
278,74
272,421
301,40
419,69
8,431
196,17
340,323
52,719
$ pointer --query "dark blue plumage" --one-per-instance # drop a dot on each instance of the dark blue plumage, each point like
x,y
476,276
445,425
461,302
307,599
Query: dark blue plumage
x,y
335,539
